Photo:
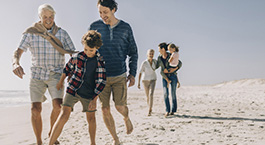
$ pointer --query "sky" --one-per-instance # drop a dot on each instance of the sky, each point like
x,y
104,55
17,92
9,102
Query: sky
x,y
219,40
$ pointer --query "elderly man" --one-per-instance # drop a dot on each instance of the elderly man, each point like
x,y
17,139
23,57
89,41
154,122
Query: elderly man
x,y
118,44
47,43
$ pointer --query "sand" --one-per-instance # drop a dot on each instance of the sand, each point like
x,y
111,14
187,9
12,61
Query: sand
x,y
227,113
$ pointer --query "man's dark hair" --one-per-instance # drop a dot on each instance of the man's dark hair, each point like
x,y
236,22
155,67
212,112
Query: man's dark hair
x,y
163,45
111,4
92,39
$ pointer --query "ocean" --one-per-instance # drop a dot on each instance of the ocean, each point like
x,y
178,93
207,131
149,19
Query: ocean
x,y
11,98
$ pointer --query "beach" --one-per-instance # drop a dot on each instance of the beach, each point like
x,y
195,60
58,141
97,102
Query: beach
x,y
227,113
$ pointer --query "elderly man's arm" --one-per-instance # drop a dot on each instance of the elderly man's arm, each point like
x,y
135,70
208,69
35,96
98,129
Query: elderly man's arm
x,y
17,69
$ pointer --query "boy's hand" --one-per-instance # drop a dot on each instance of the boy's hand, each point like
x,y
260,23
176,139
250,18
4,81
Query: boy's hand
x,y
69,77
92,105
59,85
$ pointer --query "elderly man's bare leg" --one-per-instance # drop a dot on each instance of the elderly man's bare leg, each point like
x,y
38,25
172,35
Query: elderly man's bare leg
x,y
56,103
37,121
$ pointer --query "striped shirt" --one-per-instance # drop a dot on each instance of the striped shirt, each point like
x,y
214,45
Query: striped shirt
x,y
118,43
44,57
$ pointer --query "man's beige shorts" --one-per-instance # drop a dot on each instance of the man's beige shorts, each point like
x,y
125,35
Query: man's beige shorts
x,y
117,87
70,100
38,88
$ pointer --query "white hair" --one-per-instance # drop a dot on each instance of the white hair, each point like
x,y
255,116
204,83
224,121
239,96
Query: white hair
x,y
150,50
45,7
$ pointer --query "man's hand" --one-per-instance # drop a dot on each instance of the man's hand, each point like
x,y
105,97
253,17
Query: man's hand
x,y
131,79
139,87
171,70
165,71
18,70
92,105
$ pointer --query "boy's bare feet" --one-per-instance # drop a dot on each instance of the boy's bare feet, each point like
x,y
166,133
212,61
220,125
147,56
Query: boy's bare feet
x,y
129,125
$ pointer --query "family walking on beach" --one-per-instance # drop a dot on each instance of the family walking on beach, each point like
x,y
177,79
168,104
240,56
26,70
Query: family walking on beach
x,y
170,64
99,71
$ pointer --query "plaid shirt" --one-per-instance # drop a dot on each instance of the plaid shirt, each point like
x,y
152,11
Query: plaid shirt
x,y
76,68
44,57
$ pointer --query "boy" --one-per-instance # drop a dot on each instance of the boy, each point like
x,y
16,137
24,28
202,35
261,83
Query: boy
x,y
87,79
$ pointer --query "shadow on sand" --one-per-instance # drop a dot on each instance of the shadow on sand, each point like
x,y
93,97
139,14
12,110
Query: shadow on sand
x,y
142,144
218,118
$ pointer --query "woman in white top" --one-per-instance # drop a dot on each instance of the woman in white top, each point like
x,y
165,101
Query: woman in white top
x,y
149,78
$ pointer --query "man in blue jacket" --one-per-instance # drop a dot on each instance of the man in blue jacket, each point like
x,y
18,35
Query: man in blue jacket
x,y
118,43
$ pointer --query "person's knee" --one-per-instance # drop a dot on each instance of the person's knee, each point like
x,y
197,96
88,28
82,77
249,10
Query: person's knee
x,y
57,105
91,118
106,111
65,114
56,108
120,108
36,110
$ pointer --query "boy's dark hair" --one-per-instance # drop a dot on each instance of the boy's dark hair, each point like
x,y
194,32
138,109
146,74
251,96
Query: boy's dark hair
x,y
111,4
92,39
172,45
163,45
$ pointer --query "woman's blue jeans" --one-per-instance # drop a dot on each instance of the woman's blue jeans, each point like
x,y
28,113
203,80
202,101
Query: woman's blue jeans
x,y
174,81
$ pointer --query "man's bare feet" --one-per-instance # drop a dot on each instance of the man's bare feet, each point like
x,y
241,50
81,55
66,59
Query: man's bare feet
x,y
149,113
116,142
57,142
39,143
129,125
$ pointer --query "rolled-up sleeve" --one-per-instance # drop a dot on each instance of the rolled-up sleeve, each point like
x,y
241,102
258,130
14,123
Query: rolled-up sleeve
x,y
68,43
24,43
133,54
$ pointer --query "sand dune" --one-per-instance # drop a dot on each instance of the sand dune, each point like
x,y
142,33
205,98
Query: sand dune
x,y
226,113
